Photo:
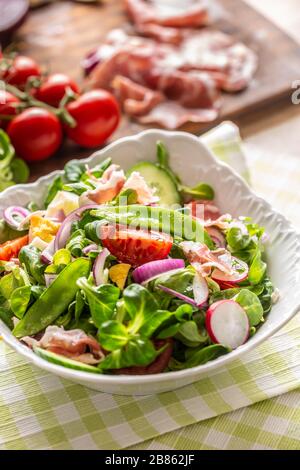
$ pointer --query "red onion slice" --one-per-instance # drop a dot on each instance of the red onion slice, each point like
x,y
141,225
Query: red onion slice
x,y
47,254
98,268
153,269
15,215
64,231
87,249
90,61
180,296
217,237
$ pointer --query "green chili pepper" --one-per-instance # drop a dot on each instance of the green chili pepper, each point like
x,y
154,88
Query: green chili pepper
x,y
164,220
54,301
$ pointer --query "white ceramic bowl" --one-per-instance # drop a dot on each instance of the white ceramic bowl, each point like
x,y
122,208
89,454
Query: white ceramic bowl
x,y
194,163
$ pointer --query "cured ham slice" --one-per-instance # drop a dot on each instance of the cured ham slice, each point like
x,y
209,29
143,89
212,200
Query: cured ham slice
x,y
74,344
136,99
159,83
150,107
230,63
204,260
145,194
108,186
175,13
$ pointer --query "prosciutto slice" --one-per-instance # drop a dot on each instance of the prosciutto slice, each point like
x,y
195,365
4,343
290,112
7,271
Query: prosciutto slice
x,y
229,62
175,13
108,186
204,260
169,85
74,344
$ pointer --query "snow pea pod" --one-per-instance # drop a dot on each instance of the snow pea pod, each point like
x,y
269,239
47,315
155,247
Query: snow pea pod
x,y
54,301
165,220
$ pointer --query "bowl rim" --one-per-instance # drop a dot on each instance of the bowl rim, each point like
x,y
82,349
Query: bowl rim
x,y
210,366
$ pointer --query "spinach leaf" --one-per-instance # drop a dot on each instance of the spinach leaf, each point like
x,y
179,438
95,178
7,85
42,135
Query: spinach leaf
x,y
182,314
140,305
78,188
126,197
7,285
99,169
265,296
7,233
189,335
73,171
137,352
31,258
199,356
157,319
113,335
181,281
201,191
102,300
19,170
6,316
257,269
20,300
56,185
77,242
252,306
237,238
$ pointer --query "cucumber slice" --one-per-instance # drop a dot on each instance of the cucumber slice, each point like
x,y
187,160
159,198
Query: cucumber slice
x,y
65,361
159,179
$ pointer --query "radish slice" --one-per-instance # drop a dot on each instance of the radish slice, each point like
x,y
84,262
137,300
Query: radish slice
x,y
200,289
153,269
217,237
240,273
227,323
98,268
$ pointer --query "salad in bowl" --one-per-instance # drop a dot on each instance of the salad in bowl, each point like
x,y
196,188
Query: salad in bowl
x,y
131,272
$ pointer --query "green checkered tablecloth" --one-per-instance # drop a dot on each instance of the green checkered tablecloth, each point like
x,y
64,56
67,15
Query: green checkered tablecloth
x,y
233,409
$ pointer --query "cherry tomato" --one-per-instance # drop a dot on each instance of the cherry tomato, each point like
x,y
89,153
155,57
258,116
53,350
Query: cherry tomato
x,y
21,69
35,134
6,108
12,248
136,247
53,89
97,115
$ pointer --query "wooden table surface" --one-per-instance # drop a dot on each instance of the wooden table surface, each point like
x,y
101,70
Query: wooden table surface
x,y
274,130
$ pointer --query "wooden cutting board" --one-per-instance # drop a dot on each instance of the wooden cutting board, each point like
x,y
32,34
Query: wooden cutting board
x,y
60,34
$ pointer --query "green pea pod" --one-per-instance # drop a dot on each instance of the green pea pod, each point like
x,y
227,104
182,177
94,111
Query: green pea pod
x,y
54,301
164,220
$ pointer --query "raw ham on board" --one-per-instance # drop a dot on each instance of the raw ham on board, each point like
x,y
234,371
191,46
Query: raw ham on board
x,y
174,81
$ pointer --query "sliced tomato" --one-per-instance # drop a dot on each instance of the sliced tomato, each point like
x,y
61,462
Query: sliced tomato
x,y
157,366
12,248
136,247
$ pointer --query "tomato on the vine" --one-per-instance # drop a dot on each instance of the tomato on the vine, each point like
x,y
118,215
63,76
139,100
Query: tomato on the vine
x,y
54,88
97,115
7,108
36,134
21,69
